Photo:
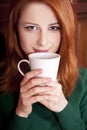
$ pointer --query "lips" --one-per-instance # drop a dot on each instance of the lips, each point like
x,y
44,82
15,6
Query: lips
x,y
40,50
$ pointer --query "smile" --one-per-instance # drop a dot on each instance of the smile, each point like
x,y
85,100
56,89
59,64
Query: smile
x,y
39,50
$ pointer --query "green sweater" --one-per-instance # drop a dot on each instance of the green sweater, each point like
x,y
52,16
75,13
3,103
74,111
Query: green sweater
x,y
73,117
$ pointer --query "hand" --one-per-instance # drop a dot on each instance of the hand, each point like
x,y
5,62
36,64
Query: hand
x,y
54,99
29,92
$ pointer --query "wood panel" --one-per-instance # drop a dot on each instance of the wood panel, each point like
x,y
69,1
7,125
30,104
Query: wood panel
x,y
4,13
82,43
81,11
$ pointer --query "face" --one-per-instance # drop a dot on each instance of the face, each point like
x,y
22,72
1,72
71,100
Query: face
x,y
38,29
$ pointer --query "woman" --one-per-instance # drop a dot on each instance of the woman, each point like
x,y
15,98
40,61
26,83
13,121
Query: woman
x,y
43,26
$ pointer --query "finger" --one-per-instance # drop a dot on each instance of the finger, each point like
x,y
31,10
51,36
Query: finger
x,y
54,91
36,98
53,84
34,82
30,75
57,86
35,91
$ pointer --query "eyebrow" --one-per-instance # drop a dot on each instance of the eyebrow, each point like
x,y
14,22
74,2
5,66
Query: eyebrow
x,y
54,24
37,24
30,23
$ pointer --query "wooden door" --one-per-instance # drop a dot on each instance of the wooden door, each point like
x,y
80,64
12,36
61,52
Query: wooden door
x,y
80,7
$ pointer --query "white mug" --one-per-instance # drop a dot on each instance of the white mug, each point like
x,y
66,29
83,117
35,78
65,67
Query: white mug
x,y
47,61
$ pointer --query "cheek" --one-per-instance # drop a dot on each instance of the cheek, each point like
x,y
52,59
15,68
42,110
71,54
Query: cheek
x,y
27,38
55,36
55,40
26,42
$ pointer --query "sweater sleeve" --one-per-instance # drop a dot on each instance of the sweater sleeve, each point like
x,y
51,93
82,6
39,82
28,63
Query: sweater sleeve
x,y
74,116
18,123
68,120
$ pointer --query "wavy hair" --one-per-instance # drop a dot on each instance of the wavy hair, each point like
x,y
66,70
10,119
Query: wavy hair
x,y
68,70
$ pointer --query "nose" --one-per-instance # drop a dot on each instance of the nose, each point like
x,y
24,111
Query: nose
x,y
42,39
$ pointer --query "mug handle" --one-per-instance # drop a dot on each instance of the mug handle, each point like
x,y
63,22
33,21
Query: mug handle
x,y
19,69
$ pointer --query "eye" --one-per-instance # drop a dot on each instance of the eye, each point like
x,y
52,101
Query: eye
x,y
31,28
54,28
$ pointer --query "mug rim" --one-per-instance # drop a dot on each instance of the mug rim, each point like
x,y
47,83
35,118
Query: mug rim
x,y
42,55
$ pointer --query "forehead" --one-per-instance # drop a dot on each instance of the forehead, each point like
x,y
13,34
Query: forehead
x,y
34,11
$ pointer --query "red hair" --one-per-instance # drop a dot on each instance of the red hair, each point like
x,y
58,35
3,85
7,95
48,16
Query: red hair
x,y
68,70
